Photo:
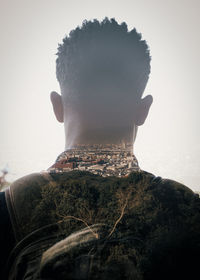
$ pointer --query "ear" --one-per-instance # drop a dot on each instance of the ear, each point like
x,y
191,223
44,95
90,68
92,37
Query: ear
x,y
57,103
142,109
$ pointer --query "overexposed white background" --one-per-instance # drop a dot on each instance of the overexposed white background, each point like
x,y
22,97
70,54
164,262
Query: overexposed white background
x,y
167,144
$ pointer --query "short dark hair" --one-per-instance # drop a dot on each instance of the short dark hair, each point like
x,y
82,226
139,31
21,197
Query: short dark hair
x,y
103,47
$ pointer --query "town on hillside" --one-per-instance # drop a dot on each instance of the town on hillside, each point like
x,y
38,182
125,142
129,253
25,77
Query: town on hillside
x,y
102,159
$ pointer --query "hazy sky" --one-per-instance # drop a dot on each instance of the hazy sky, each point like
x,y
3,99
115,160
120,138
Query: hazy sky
x,y
167,144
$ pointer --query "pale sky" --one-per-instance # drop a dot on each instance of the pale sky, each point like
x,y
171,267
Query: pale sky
x,y
167,144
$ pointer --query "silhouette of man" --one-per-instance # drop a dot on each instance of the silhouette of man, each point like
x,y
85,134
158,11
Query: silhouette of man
x,y
102,69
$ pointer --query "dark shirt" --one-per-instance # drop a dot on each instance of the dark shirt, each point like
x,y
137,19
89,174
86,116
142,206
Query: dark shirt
x,y
162,217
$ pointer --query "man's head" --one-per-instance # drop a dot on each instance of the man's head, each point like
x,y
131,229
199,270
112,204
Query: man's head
x,y
103,70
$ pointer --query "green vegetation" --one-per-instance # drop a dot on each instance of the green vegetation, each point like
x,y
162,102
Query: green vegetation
x,y
157,221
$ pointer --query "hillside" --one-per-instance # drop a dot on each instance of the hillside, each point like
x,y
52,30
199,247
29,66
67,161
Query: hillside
x,y
155,221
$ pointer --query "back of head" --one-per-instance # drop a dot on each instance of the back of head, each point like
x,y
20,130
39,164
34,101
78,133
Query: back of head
x,y
103,67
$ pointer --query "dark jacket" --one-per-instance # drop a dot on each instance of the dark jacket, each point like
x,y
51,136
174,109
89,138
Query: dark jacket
x,y
152,225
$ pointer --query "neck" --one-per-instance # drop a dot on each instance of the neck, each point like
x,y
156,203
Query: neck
x,y
77,136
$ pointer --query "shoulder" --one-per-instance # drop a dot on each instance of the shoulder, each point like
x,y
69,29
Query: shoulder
x,y
171,192
25,190
30,180
161,182
163,188
21,198
30,183
175,186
